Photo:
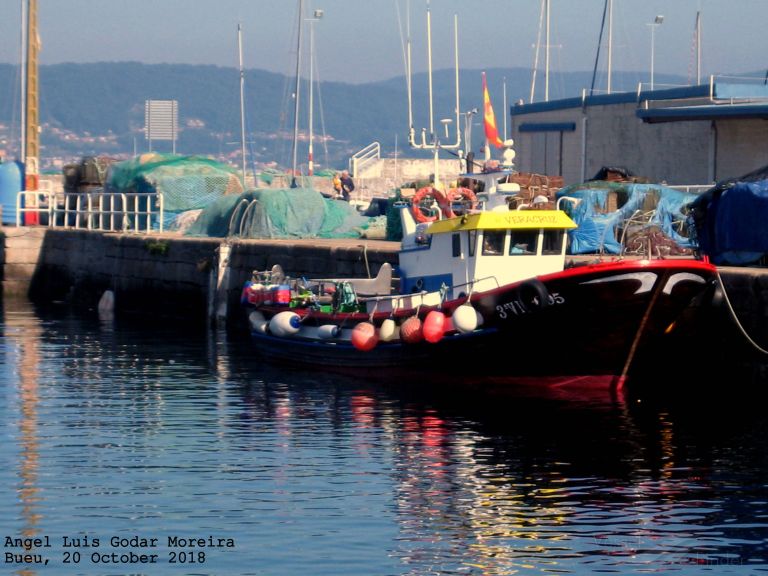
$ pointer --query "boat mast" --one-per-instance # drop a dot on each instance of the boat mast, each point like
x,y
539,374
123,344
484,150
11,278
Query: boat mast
x,y
610,42
242,98
698,47
536,52
32,136
434,143
317,15
546,58
296,106
411,129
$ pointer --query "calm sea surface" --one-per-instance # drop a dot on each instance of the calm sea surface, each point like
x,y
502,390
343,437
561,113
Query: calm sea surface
x,y
131,448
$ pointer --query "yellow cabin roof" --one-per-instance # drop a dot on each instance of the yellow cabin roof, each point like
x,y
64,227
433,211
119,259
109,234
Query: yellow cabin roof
x,y
509,220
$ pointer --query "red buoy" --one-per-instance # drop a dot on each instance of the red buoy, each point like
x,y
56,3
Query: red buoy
x,y
411,331
434,326
364,336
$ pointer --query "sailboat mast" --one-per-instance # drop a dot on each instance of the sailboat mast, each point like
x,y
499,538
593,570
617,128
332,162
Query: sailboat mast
x,y
546,58
408,68
242,98
610,43
296,106
698,47
311,161
536,53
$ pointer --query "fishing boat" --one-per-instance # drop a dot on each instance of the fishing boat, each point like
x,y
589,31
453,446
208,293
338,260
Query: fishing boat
x,y
485,293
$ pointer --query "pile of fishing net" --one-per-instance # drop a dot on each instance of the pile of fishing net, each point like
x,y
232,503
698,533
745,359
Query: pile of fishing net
x,y
624,217
278,213
186,182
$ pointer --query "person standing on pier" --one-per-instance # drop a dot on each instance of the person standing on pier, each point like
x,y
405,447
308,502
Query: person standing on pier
x,y
347,185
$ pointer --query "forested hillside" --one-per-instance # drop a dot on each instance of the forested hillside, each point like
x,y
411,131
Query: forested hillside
x,y
99,108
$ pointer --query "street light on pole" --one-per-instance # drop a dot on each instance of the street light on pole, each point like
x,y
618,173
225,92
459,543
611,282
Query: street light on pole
x,y
656,22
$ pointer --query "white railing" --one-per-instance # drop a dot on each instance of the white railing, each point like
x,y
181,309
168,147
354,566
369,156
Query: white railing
x,y
96,210
362,158
691,188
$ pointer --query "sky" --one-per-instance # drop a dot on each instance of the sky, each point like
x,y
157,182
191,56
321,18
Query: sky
x,y
362,40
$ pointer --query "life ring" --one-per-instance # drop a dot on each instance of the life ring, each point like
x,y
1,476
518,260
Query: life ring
x,y
440,198
462,194
533,294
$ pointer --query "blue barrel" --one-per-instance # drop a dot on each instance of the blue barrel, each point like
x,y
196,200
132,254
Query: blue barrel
x,y
11,174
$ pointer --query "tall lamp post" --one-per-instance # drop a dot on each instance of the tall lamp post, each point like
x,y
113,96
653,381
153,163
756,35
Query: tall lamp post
x,y
656,23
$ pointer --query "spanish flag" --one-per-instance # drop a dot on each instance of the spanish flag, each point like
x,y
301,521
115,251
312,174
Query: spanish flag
x,y
491,132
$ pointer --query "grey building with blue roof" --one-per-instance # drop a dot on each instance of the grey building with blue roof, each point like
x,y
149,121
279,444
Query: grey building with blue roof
x,y
694,135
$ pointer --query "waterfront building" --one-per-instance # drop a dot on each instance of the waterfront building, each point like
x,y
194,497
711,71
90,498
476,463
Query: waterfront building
x,y
689,135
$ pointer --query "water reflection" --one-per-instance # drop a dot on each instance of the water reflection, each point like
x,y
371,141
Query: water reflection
x,y
120,428
22,333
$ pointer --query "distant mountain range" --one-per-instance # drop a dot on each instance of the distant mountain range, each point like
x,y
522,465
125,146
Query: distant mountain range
x,y
98,109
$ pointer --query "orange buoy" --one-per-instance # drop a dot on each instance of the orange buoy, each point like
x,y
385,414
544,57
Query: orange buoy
x,y
434,326
410,330
364,336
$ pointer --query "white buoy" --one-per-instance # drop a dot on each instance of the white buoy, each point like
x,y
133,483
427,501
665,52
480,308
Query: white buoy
x,y
327,331
465,318
107,302
285,324
388,330
258,322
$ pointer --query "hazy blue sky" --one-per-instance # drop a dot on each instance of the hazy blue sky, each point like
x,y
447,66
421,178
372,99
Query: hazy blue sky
x,y
361,40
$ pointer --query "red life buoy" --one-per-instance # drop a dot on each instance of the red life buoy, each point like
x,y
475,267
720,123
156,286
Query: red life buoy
x,y
440,198
462,195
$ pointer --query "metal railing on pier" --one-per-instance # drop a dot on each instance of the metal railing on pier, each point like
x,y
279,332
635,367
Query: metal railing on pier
x,y
141,213
364,157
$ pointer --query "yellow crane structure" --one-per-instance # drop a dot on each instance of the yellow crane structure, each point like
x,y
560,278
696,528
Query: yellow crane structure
x,y
31,144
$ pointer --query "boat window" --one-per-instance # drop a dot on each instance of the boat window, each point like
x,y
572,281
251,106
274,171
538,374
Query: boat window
x,y
422,238
493,242
456,238
472,242
553,242
523,242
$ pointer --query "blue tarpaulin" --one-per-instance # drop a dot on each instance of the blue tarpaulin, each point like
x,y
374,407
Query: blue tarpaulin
x,y
731,222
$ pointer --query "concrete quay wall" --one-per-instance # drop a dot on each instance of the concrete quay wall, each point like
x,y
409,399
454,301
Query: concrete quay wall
x,y
168,274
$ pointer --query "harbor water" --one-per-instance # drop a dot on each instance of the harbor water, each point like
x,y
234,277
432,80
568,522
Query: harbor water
x,y
132,446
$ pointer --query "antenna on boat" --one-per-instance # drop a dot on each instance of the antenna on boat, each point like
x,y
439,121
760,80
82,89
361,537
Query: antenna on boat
x,y
434,140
